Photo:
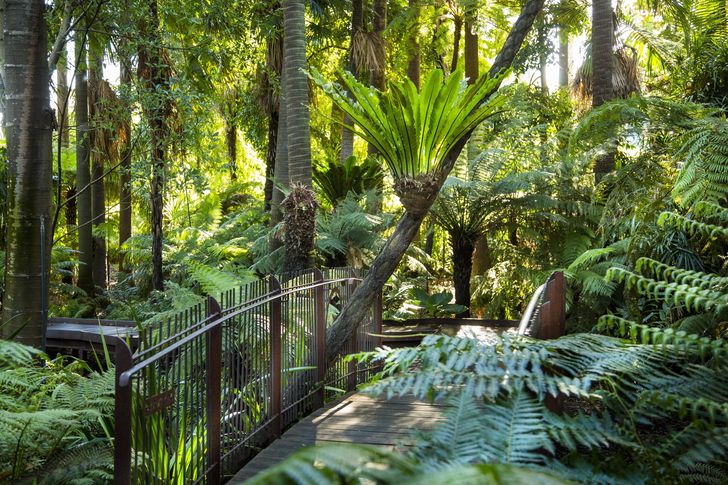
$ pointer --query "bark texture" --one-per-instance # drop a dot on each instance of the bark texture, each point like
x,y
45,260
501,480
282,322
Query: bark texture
x,y
563,58
281,165
408,226
28,123
83,170
297,110
458,26
413,66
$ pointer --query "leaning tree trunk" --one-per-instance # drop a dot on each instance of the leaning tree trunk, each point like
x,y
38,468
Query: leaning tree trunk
x,y
83,170
462,268
357,26
125,210
408,226
28,122
98,195
154,76
602,70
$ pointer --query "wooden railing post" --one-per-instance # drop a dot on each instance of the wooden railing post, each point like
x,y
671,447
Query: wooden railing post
x,y
122,417
213,377
553,312
320,337
353,374
275,363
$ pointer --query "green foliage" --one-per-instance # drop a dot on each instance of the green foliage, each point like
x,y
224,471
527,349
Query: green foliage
x,y
337,179
435,305
413,131
55,418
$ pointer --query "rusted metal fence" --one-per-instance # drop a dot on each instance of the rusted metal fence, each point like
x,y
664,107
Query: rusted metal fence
x,y
211,385
545,315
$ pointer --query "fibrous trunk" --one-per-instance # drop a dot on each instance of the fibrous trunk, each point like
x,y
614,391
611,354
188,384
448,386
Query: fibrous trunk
x,y
28,122
299,223
462,266
602,69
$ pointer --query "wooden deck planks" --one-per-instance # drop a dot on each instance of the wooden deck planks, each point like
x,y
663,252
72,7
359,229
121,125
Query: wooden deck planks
x,y
355,418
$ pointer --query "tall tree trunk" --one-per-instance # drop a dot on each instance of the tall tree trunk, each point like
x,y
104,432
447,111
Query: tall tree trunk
x,y
154,75
83,170
231,143
274,53
563,58
413,66
408,226
299,236
28,122
378,74
602,70
125,210
542,57
357,26
458,21
281,166
297,109
98,196
472,69
462,268
61,97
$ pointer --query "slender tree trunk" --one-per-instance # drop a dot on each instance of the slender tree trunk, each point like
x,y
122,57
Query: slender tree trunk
x,y
357,26
458,21
281,166
231,143
154,76
563,58
413,66
83,170
462,268
61,96
378,74
408,226
28,122
274,53
125,210
71,222
543,58
98,195
602,70
472,70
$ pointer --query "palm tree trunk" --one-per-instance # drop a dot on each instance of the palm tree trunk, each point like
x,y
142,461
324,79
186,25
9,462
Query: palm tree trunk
x,y
378,74
357,25
408,226
28,121
602,70
98,196
281,166
125,210
462,268
83,170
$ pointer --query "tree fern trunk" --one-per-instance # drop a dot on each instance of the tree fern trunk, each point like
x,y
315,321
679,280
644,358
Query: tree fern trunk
x,y
462,262
28,120
407,228
83,169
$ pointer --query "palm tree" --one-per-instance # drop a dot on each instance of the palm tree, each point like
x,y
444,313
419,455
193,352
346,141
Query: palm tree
x,y
602,69
28,122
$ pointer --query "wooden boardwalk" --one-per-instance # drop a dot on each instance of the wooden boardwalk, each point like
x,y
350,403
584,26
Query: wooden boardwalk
x,y
355,418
